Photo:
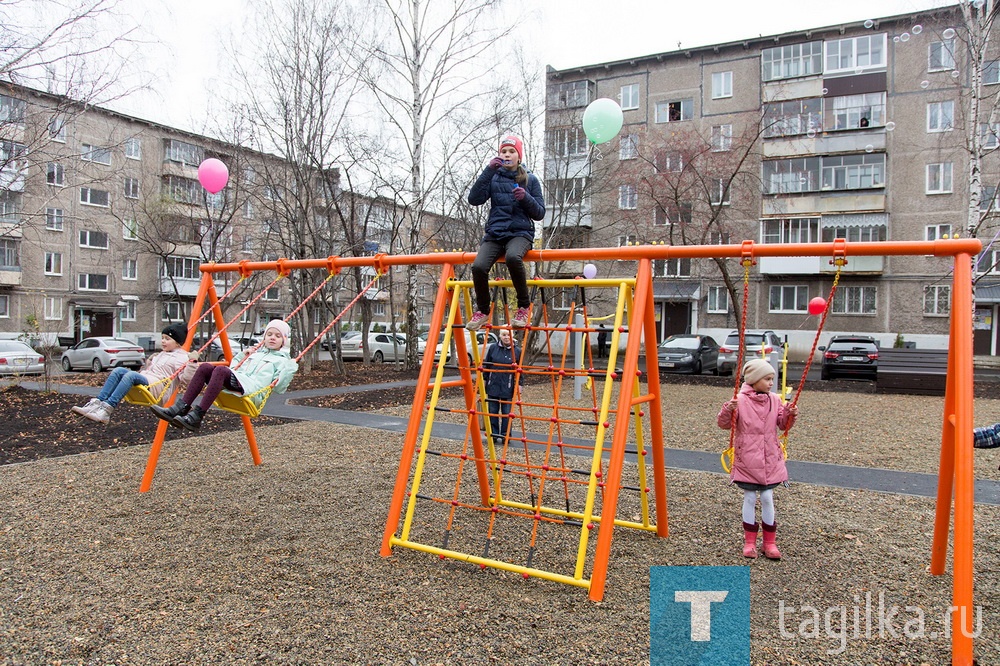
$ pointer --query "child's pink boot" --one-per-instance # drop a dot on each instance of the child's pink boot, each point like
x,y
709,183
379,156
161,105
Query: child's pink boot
x,y
750,539
771,551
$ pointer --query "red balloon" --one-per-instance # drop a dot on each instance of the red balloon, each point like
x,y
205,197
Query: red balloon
x,y
817,306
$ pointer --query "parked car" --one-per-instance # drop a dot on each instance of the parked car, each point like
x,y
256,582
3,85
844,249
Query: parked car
x,y
481,336
380,347
329,343
773,349
17,358
103,352
214,351
689,353
854,356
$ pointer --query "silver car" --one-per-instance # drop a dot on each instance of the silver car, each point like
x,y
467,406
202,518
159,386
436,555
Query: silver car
x,y
759,344
103,352
380,346
17,358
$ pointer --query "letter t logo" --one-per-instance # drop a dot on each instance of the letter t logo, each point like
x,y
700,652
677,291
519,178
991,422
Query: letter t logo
x,y
701,610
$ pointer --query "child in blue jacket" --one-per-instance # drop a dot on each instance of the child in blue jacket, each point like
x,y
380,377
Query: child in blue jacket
x,y
516,202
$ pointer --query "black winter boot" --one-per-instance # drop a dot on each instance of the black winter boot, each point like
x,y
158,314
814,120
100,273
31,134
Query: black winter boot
x,y
179,408
191,421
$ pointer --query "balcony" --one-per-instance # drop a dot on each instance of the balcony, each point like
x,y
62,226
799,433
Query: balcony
x,y
856,141
851,201
10,276
817,265
183,286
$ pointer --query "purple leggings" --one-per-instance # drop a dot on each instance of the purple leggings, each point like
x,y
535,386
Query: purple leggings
x,y
217,377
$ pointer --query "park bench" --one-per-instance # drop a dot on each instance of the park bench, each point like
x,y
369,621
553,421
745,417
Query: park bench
x,y
916,371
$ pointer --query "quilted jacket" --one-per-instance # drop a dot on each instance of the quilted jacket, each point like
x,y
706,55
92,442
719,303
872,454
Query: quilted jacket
x,y
757,456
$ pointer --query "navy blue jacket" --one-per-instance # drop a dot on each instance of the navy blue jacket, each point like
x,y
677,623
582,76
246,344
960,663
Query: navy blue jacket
x,y
508,216
500,384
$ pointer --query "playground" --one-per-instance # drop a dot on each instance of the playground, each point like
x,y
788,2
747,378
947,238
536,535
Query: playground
x,y
227,562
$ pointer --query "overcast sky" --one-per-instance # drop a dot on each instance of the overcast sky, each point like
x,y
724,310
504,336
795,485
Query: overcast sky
x,y
564,33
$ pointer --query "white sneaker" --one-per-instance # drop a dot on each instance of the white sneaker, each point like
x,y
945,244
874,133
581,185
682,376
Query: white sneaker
x,y
89,407
101,414
477,321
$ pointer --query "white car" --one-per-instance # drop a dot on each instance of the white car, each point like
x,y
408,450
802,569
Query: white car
x,y
103,352
481,336
17,358
380,347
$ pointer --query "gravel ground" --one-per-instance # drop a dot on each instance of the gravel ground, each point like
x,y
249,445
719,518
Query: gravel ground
x,y
227,563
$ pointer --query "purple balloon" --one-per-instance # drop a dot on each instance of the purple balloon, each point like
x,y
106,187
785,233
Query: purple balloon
x,y
590,271
213,175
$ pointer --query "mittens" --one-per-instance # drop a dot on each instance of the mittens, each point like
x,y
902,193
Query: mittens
x,y
519,193
496,163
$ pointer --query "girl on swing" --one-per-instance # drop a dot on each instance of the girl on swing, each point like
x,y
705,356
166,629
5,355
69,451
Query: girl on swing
x,y
265,366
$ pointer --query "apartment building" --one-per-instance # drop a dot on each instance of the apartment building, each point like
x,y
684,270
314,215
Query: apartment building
x,y
856,131
104,225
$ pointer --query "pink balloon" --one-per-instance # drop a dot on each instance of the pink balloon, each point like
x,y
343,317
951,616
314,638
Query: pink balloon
x,y
213,175
817,306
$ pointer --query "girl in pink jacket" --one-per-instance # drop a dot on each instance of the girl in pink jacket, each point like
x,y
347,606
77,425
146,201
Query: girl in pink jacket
x,y
758,463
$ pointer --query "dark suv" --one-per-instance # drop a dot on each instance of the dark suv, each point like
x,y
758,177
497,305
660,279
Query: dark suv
x,y
854,356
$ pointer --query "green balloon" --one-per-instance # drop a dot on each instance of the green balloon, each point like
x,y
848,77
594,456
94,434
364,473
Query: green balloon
x,y
602,120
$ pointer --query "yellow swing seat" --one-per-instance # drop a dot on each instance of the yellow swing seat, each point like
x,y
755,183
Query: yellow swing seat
x,y
242,404
140,395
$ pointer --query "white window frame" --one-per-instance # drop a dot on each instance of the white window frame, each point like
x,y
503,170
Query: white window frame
x,y
938,178
790,230
57,128
718,300
933,296
4,306
722,138
989,136
941,116
172,311
128,310
10,253
628,147
248,209
673,162
130,269
272,294
133,148
684,106
842,55
131,187
798,294
629,96
719,195
722,85
54,219
991,72
941,55
130,229
628,197
378,308
791,61
95,154
625,240
87,196
55,174
860,171
855,300
673,267
84,239
245,317
53,263
84,280
933,232
52,308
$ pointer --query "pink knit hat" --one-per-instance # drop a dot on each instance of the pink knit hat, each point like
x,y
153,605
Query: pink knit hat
x,y
283,328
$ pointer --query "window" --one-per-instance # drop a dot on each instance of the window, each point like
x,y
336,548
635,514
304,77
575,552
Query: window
x,y
630,97
131,188
92,282
53,309
10,207
248,244
791,175
720,191
94,239
718,238
937,300
628,149
53,263
183,152
797,116
566,191
854,172
4,306
8,254
854,300
671,112
91,153
12,110
181,267
91,197
11,152
989,135
54,219
858,227
672,161
939,178
128,310
941,55
940,116
722,137
856,111
57,129
722,85
718,300
248,209
182,190
54,174
937,231
568,142
794,60
856,53
677,213
245,317
133,148
679,267
569,95
793,230
987,198
130,229
788,298
626,240
130,269
378,309
173,311
991,72
272,294
627,197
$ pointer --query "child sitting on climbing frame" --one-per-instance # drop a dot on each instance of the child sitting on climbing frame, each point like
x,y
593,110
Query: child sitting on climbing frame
x,y
154,373
270,365
986,437
758,462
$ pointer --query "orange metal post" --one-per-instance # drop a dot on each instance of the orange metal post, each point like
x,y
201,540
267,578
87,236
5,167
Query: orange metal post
x,y
419,396
643,285
946,466
469,383
656,421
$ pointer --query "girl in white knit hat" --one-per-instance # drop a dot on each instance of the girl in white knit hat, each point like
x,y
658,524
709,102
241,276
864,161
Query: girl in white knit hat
x,y
758,462
269,364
